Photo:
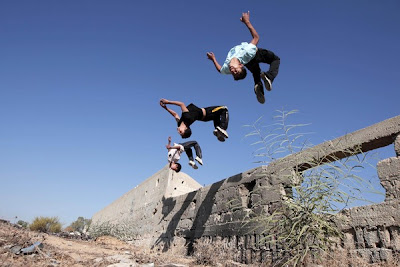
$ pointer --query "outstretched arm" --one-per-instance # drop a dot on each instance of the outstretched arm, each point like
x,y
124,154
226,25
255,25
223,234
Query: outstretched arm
x,y
211,56
168,146
176,103
170,111
246,20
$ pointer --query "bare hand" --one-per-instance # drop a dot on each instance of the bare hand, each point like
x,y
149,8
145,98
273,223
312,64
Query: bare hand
x,y
245,17
169,139
210,55
163,102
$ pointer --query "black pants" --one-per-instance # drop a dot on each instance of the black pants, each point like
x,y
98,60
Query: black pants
x,y
188,149
264,56
219,115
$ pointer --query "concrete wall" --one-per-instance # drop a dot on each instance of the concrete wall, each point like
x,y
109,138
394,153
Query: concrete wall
x,y
138,212
373,231
217,211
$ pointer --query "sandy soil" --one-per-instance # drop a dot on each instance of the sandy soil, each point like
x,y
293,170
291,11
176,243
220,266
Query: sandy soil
x,y
59,251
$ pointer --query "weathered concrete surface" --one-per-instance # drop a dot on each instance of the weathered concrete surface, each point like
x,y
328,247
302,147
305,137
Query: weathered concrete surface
x,y
219,210
138,211
389,175
397,145
375,136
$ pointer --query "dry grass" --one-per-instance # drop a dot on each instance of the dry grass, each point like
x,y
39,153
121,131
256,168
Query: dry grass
x,y
216,253
342,257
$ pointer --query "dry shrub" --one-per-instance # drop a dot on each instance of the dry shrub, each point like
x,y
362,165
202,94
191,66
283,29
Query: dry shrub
x,y
323,184
213,253
46,225
68,229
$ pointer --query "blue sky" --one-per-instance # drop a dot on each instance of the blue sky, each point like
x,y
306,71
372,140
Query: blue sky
x,y
80,83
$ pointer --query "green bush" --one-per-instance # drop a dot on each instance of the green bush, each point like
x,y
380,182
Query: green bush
x,y
80,225
46,225
22,223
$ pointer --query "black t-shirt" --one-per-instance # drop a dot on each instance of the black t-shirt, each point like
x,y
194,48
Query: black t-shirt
x,y
195,113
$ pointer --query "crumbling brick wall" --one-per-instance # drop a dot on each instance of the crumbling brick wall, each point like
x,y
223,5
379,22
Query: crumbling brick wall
x,y
373,232
217,211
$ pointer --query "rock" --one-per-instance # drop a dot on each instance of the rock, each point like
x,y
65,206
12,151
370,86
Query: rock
x,y
173,265
31,249
122,264
120,258
15,249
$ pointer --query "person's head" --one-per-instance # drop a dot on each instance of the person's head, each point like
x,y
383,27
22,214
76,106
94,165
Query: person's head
x,y
184,131
240,75
176,166
237,69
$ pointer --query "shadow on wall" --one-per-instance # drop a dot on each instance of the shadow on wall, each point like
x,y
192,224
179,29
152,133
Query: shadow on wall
x,y
168,205
203,212
167,237
202,215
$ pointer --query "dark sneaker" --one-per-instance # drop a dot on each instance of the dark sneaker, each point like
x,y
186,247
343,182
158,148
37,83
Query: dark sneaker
x,y
222,131
267,81
199,160
259,90
219,135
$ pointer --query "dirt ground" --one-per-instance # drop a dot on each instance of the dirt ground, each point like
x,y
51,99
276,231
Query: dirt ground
x,y
59,251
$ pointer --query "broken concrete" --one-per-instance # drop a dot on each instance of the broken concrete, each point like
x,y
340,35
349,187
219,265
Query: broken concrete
x,y
156,215
139,211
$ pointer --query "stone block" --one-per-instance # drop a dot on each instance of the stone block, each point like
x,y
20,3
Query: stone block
x,y
185,223
370,237
270,195
389,175
255,200
384,237
394,232
227,217
348,240
365,254
385,255
239,215
360,243
397,145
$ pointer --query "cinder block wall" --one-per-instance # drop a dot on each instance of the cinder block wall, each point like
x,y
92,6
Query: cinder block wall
x,y
217,212
373,232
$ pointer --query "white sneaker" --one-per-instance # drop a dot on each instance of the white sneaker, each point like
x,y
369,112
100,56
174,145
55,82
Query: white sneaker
x,y
267,82
219,135
199,160
193,164
224,133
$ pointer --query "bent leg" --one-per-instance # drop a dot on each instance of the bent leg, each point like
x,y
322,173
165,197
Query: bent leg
x,y
219,115
187,146
223,119
267,56
254,68
197,148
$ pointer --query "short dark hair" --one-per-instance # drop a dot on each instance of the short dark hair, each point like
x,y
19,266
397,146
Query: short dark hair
x,y
187,133
240,76
178,167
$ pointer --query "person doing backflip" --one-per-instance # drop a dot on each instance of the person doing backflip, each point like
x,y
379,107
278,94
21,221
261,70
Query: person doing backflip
x,y
191,113
175,151
249,56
